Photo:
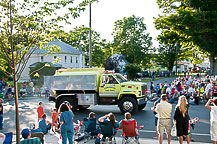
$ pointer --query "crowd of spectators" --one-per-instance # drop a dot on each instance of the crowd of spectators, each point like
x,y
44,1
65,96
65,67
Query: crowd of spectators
x,y
195,89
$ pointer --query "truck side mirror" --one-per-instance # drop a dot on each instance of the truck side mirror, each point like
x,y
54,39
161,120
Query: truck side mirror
x,y
103,84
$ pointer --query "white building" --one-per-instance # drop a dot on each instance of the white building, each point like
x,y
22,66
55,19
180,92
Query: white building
x,y
70,58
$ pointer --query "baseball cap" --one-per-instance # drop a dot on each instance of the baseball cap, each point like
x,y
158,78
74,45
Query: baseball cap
x,y
25,132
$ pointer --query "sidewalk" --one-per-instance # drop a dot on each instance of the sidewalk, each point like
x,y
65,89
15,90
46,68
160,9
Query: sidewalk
x,y
143,141
55,139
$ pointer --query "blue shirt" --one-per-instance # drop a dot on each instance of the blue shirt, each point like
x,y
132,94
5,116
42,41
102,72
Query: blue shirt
x,y
36,130
67,118
43,126
157,89
116,125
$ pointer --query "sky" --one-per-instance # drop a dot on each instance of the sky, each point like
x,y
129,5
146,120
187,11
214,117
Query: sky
x,y
106,12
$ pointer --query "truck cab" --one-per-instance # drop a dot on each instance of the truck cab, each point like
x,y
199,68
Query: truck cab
x,y
92,86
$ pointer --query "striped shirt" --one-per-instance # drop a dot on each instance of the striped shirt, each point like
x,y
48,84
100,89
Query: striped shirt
x,y
31,141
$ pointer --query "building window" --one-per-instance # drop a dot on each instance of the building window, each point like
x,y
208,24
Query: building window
x,y
65,59
55,57
76,59
42,58
71,59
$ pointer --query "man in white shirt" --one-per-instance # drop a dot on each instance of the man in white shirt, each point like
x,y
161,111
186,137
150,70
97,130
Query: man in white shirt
x,y
191,91
213,119
168,90
164,110
208,90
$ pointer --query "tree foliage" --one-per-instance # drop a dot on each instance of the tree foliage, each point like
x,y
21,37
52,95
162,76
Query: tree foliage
x,y
79,38
131,70
27,25
193,22
132,40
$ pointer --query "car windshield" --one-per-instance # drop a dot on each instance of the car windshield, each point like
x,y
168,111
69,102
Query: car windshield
x,y
120,78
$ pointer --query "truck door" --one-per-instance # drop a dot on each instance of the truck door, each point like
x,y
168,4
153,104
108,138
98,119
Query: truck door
x,y
109,86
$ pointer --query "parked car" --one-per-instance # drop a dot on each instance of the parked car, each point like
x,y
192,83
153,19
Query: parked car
x,y
145,74
139,75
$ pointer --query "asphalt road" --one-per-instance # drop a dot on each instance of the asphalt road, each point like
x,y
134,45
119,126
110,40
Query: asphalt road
x,y
28,113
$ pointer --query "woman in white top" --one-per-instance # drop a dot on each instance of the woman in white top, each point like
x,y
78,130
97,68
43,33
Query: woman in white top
x,y
213,119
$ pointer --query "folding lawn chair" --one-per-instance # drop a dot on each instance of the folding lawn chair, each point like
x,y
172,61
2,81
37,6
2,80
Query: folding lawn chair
x,y
39,135
107,130
130,136
8,138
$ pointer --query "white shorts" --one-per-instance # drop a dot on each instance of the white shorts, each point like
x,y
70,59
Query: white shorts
x,y
213,131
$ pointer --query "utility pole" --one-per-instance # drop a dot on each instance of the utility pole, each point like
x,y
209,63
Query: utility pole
x,y
90,43
176,59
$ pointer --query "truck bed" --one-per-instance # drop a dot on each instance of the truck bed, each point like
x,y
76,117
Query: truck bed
x,y
71,83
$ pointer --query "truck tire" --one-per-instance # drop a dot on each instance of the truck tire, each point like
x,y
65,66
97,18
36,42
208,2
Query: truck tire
x,y
128,104
140,107
68,99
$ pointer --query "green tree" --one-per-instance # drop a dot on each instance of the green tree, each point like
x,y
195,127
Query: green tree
x,y
195,24
79,37
132,40
131,70
166,56
26,26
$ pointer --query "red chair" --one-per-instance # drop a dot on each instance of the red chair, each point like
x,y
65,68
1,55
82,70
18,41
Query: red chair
x,y
130,135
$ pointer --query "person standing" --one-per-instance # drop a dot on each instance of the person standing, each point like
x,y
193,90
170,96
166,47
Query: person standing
x,y
40,111
164,110
208,90
181,119
66,122
151,87
156,118
9,92
213,119
1,114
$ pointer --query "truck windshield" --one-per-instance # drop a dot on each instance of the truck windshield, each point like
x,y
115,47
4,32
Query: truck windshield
x,y
120,78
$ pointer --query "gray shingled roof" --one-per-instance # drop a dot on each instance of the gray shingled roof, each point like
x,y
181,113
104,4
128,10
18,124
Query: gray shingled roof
x,y
65,48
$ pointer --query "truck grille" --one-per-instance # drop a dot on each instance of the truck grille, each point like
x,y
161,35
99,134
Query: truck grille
x,y
144,89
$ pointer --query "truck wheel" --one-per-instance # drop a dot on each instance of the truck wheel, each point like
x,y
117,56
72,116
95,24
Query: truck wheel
x,y
63,100
140,107
128,104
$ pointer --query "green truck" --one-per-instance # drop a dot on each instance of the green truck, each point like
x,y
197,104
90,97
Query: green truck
x,y
95,86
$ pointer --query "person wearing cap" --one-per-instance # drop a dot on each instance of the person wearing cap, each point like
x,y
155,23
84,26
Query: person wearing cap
x,y
26,134
164,110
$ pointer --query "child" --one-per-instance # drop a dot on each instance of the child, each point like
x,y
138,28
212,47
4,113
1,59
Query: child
x,y
156,118
40,111
213,119
44,125
54,119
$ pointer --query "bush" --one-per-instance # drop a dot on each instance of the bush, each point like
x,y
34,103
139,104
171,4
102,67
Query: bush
x,y
132,69
46,71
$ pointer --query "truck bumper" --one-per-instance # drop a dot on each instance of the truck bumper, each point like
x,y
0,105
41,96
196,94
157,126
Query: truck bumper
x,y
51,98
142,100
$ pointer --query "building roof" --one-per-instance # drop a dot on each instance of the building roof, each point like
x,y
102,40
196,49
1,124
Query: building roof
x,y
57,65
65,48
